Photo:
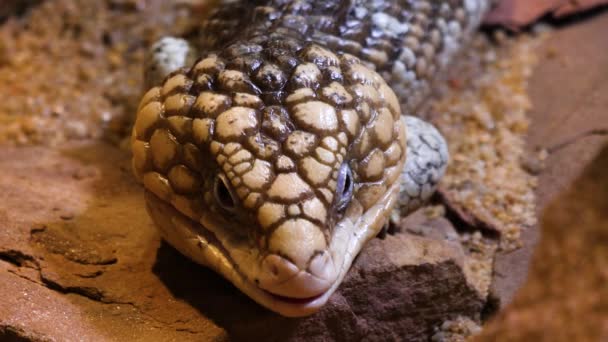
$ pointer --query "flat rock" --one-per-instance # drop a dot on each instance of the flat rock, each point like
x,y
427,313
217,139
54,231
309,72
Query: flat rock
x,y
565,296
80,250
569,92
516,14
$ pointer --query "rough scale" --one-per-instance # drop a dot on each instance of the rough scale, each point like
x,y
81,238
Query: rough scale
x,y
277,154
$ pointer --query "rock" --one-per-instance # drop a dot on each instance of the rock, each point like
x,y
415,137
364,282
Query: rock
x,y
572,7
89,276
486,192
393,289
573,59
565,297
430,222
517,14
94,274
391,293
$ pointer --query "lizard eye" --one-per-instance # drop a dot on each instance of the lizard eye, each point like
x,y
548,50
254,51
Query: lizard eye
x,y
223,195
344,188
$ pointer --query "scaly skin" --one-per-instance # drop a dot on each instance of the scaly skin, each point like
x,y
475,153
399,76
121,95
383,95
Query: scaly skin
x,y
276,156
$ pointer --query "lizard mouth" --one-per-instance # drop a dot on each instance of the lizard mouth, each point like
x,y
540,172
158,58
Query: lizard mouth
x,y
217,252
297,301
203,246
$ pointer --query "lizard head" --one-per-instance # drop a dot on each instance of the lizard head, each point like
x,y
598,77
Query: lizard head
x,y
271,168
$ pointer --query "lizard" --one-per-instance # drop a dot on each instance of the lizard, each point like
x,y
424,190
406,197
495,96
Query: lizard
x,y
282,138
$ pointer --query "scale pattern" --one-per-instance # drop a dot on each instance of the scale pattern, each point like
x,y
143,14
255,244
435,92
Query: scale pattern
x,y
407,41
285,95
280,153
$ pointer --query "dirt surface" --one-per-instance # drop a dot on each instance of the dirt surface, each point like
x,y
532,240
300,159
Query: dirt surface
x,y
72,69
60,56
566,297
484,120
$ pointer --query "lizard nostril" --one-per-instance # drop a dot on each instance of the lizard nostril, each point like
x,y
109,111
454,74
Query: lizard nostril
x,y
279,268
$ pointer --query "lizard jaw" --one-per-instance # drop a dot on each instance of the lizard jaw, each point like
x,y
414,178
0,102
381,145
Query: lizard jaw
x,y
204,247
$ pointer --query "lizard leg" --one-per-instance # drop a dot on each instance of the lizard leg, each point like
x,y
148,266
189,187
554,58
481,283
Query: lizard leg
x,y
165,56
426,162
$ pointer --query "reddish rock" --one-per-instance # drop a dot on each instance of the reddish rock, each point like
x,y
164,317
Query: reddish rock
x,y
83,252
575,6
569,91
566,297
392,292
516,14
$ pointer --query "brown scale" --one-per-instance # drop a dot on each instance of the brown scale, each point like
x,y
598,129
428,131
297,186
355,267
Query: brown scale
x,y
269,90
349,26
249,141
216,116
255,73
